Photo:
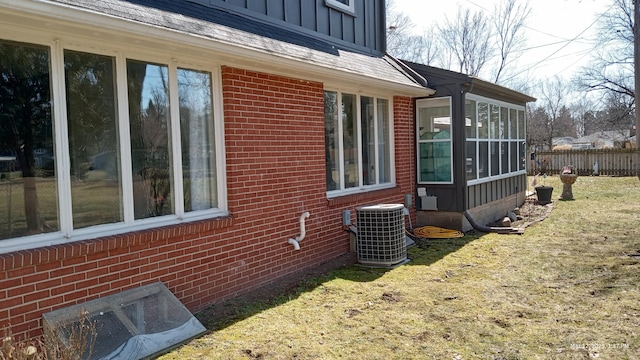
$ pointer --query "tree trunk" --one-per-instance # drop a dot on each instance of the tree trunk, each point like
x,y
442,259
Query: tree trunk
x,y
636,68
30,193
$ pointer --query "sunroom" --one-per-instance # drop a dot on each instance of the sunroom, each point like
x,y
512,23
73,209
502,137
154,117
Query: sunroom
x,y
470,149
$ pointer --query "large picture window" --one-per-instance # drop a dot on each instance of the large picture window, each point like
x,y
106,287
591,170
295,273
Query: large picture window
x,y
495,143
109,167
28,180
357,142
94,143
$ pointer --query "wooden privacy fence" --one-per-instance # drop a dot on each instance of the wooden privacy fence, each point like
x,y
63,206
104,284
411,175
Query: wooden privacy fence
x,y
611,162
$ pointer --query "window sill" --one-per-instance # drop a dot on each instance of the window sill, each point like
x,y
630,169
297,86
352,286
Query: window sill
x,y
363,196
42,254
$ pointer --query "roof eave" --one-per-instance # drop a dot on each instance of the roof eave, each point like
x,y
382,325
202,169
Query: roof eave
x,y
232,53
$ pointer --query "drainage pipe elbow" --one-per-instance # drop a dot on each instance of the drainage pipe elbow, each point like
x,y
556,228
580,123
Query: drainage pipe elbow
x,y
296,245
296,242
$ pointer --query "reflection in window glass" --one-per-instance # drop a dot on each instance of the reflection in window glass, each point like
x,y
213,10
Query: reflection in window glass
x,y
350,140
515,158
522,155
483,120
521,126
470,120
494,122
150,140
434,122
332,140
504,123
501,124
483,159
513,123
358,146
367,123
28,181
504,153
495,158
198,142
471,166
434,135
93,139
384,145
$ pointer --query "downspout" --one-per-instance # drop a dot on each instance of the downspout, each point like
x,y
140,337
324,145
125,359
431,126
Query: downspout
x,y
466,88
490,229
414,75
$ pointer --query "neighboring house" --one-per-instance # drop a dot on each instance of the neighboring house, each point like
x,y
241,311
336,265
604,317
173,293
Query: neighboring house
x,y
471,148
187,138
611,139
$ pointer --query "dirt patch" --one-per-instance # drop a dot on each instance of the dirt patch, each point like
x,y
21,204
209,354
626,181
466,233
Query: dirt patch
x,y
531,212
228,311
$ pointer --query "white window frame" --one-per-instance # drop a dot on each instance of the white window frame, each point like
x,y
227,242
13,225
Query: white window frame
x,y
120,53
450,140
508,140
342,191
348,8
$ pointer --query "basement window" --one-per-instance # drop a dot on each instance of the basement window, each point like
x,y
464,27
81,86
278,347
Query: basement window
x,y
133,324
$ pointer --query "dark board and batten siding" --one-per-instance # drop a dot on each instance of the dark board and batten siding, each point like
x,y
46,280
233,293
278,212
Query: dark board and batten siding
x,y
363,31
487,192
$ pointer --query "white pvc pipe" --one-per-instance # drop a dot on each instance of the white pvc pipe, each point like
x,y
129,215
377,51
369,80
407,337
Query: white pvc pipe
x,y
296,242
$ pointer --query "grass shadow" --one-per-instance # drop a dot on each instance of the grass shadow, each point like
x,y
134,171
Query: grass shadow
x,y
224,314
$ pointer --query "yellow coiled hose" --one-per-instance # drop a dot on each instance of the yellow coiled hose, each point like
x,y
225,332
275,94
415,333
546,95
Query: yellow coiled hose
x,y
434,232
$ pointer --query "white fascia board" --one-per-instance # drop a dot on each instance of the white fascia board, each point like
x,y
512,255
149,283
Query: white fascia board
x,y
232,54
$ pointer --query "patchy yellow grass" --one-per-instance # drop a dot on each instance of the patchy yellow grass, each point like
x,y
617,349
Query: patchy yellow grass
x,y
566,289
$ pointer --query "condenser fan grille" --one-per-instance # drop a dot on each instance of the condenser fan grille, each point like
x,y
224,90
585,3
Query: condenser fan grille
x,y
381,235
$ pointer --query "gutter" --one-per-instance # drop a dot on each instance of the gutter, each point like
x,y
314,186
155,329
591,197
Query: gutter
x,y
414,75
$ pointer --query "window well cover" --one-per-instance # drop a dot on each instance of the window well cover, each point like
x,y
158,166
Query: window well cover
x,y
133,324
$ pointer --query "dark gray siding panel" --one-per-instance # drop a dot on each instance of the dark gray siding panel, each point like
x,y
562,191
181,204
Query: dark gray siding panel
x,y
308,17
335,24
349,29
360,22
259,6
239,3
364,30
322,20
484,193
293,12
279,11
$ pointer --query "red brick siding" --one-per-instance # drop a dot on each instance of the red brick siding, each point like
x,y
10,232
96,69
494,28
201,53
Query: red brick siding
x,y
274,138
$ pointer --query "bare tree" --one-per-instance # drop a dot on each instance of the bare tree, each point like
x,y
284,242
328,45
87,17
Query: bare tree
x,y
509,21
467,39
403,44
583,111
553,95
537,133
611,68
470,42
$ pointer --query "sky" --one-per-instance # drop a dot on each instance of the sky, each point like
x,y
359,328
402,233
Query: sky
x,y
560,33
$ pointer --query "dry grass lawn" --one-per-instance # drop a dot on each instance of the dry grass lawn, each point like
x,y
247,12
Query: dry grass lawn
x,y
567,289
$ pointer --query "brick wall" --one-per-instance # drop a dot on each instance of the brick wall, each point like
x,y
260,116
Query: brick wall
x,y
274,137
